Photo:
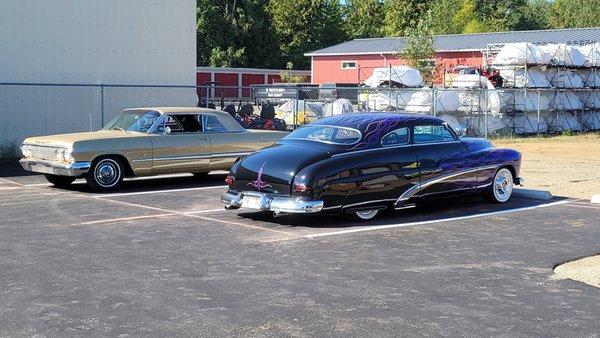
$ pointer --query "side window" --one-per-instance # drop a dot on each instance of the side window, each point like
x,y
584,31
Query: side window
x,y
171,123
189,122
426,134
212,124
395,137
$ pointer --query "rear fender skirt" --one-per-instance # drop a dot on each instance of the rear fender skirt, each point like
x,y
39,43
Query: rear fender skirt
x,y
408,194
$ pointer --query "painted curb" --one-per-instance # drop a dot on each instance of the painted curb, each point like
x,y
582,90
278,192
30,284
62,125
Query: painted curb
x,y
595,199
531,193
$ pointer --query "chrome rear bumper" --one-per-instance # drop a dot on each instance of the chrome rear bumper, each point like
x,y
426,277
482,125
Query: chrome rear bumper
x,y
55,168
265,202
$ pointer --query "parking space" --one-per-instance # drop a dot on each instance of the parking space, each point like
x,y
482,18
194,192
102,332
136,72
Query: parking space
x,y
163,256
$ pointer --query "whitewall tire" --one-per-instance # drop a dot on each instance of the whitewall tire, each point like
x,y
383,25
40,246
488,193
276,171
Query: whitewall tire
x,y
105,174
502,187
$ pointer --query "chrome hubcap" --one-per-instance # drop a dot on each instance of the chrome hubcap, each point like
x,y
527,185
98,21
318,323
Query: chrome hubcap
x,y
503,185
107,173
366,214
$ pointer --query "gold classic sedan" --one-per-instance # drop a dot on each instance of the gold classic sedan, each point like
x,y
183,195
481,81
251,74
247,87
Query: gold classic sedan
x,y
144,142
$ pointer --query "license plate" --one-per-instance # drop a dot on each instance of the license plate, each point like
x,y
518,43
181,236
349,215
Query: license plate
x,y
39,168
252,202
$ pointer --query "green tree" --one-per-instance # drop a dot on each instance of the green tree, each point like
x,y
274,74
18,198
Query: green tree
x,y
305,25
401,15
534,16
419,51
235,33
442,17
288,77
363,18
574,13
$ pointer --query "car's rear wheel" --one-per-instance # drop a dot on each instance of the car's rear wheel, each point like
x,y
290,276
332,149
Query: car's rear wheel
x,y
59,181
502,187
105,174
364,215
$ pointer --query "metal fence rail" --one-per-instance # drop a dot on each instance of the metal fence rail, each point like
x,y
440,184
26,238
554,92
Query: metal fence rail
x,y
40,109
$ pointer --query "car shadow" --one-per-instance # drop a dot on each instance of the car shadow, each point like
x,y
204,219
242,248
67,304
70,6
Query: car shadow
x,y
154,184
425,211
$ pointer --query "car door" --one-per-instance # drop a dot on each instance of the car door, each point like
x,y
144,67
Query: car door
x,y
384,174
226,145
180,145
443,161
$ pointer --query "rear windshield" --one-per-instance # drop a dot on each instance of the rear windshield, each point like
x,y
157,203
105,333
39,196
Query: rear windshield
x,y
326,134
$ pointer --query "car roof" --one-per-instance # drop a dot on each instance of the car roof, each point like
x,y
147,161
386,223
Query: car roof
x,y
362,121
180,110
227,120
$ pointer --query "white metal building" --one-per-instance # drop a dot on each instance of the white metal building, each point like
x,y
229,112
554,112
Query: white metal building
x,y
91,42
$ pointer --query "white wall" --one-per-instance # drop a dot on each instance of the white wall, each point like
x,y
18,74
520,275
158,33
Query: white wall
x,y
123,42
98,41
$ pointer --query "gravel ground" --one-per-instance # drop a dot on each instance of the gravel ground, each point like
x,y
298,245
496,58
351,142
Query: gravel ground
x,y
565,165
585,270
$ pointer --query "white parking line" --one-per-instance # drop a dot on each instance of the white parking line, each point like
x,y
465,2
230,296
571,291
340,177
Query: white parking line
x,y
401,225
38,185
10,188
159,191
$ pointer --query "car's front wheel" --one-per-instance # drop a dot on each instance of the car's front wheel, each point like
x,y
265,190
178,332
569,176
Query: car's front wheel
x,y
502,187
59,181
105,174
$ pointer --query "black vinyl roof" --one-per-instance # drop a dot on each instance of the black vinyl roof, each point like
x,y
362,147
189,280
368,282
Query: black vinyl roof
x,y
463,42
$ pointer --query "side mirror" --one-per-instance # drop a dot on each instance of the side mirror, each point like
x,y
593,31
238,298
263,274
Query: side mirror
x,y
167,130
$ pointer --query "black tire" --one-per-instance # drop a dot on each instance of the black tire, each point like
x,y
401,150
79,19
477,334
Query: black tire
x,y
59,181
106,173
501,188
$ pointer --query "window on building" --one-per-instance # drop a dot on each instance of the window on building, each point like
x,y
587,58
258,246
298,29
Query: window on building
x,y
348,64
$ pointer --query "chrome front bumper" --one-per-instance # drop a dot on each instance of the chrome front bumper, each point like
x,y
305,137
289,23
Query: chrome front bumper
x,y
520,181
271,203
55,168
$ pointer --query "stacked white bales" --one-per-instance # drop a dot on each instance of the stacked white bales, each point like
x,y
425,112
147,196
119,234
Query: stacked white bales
x,y
385,83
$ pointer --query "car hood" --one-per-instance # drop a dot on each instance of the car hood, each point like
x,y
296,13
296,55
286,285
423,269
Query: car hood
x,y
65,140
272,170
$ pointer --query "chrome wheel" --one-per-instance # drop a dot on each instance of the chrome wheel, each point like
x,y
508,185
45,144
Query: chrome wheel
x,y
366,214
503,185
107,173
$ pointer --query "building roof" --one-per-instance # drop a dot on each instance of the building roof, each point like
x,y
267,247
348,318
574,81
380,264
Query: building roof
x,y
463,42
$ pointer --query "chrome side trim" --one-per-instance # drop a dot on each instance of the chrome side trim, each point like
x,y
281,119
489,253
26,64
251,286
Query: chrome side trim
x,y
194,157
436,142
418,187
368,202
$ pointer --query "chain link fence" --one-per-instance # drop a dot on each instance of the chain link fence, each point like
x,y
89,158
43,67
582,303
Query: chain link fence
x,y
43,109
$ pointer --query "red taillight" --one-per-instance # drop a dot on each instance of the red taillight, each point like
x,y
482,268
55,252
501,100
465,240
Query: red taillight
x,y
230,180
300,187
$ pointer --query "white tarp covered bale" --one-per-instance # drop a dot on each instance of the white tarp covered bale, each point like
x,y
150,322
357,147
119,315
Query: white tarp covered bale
x,y
564,100
590,99
527,101
562,78
591,53
564,121
422,101
386,100
403,75
563,54
521,53
591,120
590,78
338,107
485,100
529,124
533,77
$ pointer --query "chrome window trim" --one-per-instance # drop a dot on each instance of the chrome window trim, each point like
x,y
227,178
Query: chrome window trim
x,y
204,130
454,137
360,135
396,145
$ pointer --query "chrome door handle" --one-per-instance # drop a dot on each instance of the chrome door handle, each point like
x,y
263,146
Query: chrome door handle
x,y
204,138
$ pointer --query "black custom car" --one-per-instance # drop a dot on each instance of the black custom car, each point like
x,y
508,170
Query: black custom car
x,y
359,164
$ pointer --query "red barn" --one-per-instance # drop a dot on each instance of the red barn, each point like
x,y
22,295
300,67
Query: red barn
x,y
354,61
225,79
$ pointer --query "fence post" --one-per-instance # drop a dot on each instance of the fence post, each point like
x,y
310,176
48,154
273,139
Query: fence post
x,y
102,105
538,112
